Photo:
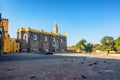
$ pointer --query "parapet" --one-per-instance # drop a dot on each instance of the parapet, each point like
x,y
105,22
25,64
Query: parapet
x,y
41,31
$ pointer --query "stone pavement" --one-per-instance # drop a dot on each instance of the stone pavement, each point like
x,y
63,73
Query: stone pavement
x,y
81,68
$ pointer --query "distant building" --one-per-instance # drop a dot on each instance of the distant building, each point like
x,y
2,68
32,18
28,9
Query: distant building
x,y
6,43
10,45
14,45
39,40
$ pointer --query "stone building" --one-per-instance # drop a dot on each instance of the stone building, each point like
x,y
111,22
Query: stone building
x,y
39,40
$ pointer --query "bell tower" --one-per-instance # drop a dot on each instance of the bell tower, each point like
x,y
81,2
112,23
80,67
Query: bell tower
x,y
55,30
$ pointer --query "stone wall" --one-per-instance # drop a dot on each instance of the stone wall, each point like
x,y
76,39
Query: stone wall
x,y
41,42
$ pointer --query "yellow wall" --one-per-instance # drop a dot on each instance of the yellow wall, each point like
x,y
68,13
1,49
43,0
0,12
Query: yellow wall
x,y
6,36
6,43
11,45
17,47
5,24
41,31
14,45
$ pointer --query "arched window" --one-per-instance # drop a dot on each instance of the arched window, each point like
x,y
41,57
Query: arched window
x,y
54,39
25,37
34,37
11,41
61,40
45,38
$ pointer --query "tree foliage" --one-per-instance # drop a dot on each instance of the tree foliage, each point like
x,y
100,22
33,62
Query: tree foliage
x,y
106,39
84,46
81,44
97,46
108,43
89,47
117,45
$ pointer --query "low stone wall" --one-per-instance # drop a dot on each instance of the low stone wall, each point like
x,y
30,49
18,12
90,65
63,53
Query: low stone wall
x,y
112,52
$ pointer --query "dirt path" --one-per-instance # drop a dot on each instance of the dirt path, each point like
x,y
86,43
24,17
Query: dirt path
x,y
85,67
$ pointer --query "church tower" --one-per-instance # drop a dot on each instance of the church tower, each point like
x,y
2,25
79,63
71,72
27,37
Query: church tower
x,y
55,30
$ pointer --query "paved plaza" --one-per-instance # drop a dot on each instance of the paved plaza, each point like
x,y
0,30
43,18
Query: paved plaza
x,y
28,66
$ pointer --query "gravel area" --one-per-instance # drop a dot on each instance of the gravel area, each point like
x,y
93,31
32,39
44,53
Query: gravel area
x,y
84,67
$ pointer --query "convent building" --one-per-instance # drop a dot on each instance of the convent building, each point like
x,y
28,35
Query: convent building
x,y
39,40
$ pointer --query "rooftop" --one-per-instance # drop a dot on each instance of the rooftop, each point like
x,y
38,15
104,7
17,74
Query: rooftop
x,y
41,31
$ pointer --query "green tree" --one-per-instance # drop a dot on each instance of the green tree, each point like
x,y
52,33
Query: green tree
x,y
89,47
97,46
117,44
111,45
106,39
108,43
81,45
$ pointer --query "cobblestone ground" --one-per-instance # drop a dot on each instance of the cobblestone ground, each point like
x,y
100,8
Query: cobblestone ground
x,y
85,67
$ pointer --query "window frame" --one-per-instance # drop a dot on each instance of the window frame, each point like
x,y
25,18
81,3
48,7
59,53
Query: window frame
x,y
25,36
61,40
54,40
34,37
46,38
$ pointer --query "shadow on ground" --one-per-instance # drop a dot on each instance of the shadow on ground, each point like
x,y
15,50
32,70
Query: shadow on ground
x,y
58,67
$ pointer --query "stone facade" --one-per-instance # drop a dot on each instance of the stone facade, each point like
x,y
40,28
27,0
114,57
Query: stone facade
x,y
39,40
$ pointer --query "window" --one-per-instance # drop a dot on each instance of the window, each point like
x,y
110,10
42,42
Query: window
x,y
45,38
1,29
53,39
0,35
54,44
34,37
61,40
1,32
46,50
25,37
17,46
11,41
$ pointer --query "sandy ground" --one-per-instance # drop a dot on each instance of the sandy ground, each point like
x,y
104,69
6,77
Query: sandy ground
x,y
84,67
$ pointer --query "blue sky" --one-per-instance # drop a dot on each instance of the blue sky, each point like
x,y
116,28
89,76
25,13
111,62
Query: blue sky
x,y
88,19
